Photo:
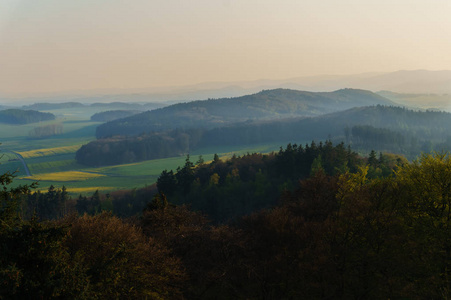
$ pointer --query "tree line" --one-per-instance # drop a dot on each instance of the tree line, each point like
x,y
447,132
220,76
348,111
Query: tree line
x,y
348,227
18,116
47,130
149,146
244,184
390,129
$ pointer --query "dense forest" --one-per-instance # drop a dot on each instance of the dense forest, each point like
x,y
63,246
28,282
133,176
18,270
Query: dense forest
x,y
266,105
382,128
111,115
117,150
308,222
18,116
224,190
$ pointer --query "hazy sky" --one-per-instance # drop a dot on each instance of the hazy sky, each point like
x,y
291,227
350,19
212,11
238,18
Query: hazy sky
x,y
55,45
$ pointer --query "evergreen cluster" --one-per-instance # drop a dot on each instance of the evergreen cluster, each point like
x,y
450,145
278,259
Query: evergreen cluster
x,y
242,185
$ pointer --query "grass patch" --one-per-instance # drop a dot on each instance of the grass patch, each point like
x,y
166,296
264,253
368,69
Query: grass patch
x,y
12,167
10,163
23,130
145,168
7,157
54,166
15,138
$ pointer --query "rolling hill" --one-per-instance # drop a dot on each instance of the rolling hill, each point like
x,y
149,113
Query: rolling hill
x,y
382,128
265,105
378,127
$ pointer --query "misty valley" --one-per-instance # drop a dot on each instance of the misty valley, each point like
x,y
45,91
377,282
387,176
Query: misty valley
x,y
278,194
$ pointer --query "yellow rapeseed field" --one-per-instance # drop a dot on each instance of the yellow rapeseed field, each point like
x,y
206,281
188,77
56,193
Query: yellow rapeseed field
x,y
49,151
76,190
65,176
89,189
80,190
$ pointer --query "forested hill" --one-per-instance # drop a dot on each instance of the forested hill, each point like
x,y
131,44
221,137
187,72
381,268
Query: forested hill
x,y
390,117
266,105
425,125
382,128
18,116
377,127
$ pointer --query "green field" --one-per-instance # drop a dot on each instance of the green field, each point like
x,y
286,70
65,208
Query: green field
x,y
58,170
52,160
10,163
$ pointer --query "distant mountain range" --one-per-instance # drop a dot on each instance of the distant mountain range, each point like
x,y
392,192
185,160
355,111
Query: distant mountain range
x,y
410,82
404,81
440,102
106,106
265,105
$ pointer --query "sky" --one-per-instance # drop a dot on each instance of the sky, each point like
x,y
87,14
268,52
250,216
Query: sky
x,y
50,46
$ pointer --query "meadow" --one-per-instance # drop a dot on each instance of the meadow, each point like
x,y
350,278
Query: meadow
x,y
51,160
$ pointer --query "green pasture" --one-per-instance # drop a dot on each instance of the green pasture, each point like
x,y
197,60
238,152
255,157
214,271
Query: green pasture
x,y
146,168
10,163
52,160
15,138
126,176
48,166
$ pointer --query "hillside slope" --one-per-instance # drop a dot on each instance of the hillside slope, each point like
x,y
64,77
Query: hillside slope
x,y
381,128
265,105
429,124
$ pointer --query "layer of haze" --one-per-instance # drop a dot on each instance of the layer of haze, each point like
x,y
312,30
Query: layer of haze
x,y
52,45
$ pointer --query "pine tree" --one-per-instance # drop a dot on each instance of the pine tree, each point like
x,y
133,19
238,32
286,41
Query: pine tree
x,y
372,160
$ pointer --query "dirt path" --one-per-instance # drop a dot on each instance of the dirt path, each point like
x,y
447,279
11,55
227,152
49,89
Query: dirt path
x,y
27,171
